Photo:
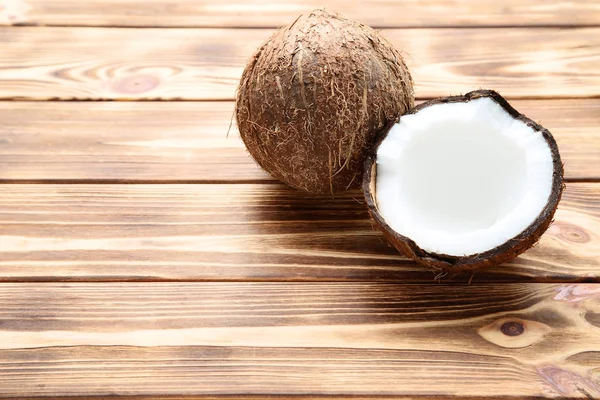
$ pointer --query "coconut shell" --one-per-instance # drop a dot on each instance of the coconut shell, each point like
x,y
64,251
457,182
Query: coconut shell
x,y
496,256
313,97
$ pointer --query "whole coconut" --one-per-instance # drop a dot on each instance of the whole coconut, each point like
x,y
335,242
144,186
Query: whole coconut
x,y
313,97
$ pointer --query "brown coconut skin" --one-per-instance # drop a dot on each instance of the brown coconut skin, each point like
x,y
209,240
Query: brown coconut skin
x,y
496,256
313,97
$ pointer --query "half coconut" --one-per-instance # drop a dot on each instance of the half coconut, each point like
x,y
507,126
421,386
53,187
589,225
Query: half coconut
x,y
463,182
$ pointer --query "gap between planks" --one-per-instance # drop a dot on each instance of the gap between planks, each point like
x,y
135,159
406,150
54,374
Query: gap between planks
x,y
146,182
15,99
273,27
181,182
270,397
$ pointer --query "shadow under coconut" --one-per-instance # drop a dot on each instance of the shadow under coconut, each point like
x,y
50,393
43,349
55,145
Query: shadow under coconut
x,y
320,237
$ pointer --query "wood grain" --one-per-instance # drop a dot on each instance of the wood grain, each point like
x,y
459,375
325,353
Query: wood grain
x,y
261,13
187,141
246,232
206,64
143,141
245,288
299,339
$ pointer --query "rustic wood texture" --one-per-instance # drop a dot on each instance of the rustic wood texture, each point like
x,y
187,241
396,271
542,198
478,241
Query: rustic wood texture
x,y
187,141
261,13
246,232
144,255
497,341
205,64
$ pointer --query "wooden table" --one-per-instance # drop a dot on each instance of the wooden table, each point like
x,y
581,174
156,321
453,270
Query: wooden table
x,y
144,254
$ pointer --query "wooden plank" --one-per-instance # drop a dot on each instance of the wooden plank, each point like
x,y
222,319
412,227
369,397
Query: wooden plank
x,y
246,232
187,141
144,141
262,13
206,64
492,341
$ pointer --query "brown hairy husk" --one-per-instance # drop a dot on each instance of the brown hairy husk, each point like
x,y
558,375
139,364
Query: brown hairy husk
x,y
313,97
496,256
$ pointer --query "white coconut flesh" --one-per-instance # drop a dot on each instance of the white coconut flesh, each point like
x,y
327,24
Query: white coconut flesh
x,y
462,178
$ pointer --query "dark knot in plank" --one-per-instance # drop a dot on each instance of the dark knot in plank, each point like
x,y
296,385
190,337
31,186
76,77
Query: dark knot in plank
x,y
512,328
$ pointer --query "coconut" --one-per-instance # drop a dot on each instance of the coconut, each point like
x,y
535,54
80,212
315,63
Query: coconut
x,y
463,182
313,97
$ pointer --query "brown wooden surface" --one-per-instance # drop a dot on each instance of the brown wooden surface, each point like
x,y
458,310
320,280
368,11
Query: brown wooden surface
x,y
261,13
143,254
187,141
205,64
246,232
300,339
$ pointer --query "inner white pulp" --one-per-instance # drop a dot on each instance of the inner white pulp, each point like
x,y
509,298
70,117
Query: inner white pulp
x,y
462,178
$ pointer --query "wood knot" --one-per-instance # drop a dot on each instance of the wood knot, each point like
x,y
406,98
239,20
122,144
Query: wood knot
x,y
570,233
514,333
512,328
136,84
